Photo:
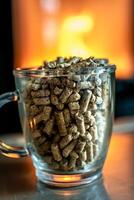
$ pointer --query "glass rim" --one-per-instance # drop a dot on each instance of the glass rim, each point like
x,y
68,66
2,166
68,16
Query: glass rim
x,y
36,72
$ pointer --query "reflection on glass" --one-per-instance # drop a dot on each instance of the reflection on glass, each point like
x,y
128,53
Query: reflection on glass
x,y
94,191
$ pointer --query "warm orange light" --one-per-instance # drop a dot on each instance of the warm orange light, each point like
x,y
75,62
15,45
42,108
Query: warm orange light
x,y
11,155
71,192
66,178
66,193
77,24
72,33
47,29
31,124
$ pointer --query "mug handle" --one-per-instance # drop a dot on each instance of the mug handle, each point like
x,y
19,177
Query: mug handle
x,y
6,150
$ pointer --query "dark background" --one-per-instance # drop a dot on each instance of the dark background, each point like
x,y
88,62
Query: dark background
x,y
9,119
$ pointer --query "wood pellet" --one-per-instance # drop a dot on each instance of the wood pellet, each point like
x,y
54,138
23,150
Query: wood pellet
x,y
61,112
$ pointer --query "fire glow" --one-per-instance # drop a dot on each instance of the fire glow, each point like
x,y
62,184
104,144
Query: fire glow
x,y
67,179
51,28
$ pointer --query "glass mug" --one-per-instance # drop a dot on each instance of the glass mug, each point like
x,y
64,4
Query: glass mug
x,y
66,121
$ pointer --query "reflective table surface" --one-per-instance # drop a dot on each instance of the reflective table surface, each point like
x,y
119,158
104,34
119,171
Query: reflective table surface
x,y
18,181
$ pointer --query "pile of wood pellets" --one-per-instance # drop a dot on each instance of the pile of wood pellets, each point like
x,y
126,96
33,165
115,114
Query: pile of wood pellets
x,y
61,112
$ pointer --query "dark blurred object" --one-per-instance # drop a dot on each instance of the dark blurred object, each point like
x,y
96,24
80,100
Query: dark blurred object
x,y
124,104
9,121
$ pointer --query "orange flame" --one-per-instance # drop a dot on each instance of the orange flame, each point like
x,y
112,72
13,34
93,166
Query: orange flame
x,y
66,178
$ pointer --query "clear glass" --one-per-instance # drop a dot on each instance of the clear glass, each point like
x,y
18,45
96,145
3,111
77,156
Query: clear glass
x,y
67,122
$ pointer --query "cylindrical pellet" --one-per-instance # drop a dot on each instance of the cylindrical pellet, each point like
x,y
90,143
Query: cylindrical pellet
x,y
36,134
67,150
67,117
80,146
49,126
68,83
74,106
72,163
61,123
46,112
74,97
73,159
85,101
92,120
87,116
56,152
83,155
33,110
80,124
85,85
72,129
54,99
65,94
57,90
40,93
41,101
65,141
38,118
59,106
94,133
90,152
76,135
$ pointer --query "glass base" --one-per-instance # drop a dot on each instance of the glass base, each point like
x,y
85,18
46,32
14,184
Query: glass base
x,y
68,180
